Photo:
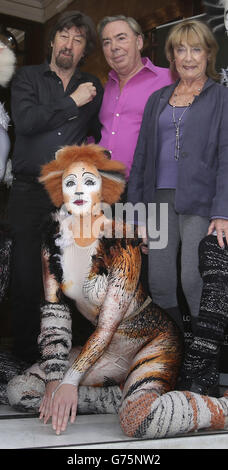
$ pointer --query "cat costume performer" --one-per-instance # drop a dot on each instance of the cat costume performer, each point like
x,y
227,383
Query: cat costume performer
x,y
130,363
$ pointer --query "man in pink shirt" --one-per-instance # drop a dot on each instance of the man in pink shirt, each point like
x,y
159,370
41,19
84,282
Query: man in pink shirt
x,y
131,81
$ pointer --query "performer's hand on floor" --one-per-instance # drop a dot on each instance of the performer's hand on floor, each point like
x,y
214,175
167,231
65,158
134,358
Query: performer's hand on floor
x,y
64,404
46,404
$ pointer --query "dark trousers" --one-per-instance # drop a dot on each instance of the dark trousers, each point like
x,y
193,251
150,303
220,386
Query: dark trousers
x,y
29,205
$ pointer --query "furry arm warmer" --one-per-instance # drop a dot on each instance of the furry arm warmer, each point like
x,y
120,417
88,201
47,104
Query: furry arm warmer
x,y
55,340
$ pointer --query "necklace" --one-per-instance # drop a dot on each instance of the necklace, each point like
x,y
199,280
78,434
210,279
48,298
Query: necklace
x,y
186,95
177,122
177,127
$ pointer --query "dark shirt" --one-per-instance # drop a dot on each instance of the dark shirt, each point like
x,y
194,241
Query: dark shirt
x,y
46,118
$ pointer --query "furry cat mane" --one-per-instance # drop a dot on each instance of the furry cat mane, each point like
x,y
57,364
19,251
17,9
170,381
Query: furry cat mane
x,y
111,171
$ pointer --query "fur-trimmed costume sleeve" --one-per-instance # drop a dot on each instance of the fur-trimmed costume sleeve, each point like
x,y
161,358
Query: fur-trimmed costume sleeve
x,y
55,337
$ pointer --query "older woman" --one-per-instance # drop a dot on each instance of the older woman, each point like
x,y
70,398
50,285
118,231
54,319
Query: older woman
x,y
181,159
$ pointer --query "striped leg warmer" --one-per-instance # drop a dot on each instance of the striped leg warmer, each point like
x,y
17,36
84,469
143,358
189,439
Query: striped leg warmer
x,y
26,391
99,400
171,414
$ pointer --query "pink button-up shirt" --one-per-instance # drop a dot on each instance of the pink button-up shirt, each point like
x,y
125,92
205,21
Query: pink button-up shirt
x,y
121,111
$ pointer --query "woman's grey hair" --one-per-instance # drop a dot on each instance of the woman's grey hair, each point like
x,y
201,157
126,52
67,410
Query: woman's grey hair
x,y
135,27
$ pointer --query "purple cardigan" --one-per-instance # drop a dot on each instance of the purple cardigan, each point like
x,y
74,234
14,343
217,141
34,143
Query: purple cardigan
x,y
202,184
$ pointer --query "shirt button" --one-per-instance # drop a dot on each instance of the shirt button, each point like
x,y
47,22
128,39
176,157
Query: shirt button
x,y
117,114
113,132
59,133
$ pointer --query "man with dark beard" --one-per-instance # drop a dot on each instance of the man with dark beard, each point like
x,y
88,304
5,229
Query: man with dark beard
x,y
53,104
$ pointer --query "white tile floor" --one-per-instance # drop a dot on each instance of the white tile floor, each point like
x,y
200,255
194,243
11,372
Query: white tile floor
x,y
91,432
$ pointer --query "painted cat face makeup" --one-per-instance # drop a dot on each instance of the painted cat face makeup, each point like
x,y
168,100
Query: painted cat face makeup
x,y
81,186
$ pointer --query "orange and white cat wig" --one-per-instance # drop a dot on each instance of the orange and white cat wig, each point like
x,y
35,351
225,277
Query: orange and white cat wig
x,y
111,171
